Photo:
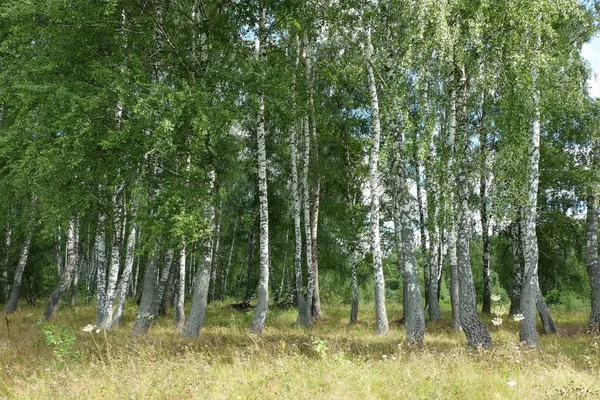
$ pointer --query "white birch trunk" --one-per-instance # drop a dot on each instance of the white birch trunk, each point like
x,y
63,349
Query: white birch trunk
x,y
180,290
476,333
258,323
591,242
100,261
414,317
67,275
213,270
229,259
528,332
126,276
5,282
450,223
15,291
115,263
306,318
382,324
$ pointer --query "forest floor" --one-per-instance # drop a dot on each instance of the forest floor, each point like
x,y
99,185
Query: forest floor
x,y
331,360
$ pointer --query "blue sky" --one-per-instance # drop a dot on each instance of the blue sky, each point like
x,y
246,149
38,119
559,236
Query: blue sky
x,y
591,51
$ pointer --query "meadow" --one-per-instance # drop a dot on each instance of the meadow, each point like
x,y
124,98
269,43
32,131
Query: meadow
x,y
330,360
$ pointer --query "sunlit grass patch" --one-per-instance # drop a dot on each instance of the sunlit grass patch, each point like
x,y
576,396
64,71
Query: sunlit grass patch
x,y
331,359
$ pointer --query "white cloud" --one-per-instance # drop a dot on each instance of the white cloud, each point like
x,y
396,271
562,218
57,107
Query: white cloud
x,y
591,52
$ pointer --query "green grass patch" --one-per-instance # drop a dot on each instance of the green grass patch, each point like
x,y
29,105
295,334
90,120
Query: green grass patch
x,y
332,359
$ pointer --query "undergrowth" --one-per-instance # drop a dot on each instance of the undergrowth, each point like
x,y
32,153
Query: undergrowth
x,y
70,358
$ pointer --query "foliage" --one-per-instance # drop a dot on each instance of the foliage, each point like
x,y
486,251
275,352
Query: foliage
x,y
62,340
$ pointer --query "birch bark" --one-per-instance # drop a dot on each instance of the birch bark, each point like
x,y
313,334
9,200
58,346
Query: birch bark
x,y
126,276
67,275
483,193
530,288
15,291
476,333
302,318
100,261
115,263
260,315
413,308
591,243
381,319
180,291
6,259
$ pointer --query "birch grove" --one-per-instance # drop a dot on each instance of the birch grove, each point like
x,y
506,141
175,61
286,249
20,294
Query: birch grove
x,y
433,154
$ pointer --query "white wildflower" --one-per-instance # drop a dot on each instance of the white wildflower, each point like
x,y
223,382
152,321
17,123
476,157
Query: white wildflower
x,y
499,311
518,317
496,297
384,356
88,328
497,321
511,383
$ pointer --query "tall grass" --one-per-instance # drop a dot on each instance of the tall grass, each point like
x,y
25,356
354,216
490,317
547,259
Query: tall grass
x,y
331,360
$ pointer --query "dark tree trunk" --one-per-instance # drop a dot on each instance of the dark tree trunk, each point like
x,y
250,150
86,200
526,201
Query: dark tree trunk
x,y
168,292
249,286
548,325
483,192
354,307
150,297
591,242
476,333
68,272
518,267
15,291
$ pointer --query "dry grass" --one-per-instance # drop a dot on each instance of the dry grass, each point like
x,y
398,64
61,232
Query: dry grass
x,y
331,360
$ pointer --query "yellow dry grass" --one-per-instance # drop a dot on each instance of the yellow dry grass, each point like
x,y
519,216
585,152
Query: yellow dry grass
x,y
331,360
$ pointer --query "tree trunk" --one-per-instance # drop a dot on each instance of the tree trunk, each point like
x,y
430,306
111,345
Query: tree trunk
x,y
147,309
5,283
548,325
483,192
518,266
414,318
195,320
591,242
260,315
530,288
454,280
381,319
422,228
353,268
251,241
66,278
593,266
169,290
100,261
213,269
115,263
316,311
451,211
299,284
164,278
476,333
225,278
180,289
126,276
15,291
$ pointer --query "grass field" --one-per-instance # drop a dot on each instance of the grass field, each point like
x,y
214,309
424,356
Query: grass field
x,y
331,360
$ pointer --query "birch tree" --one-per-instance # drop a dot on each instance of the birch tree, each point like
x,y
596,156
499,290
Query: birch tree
x,y
381,320
260,314
67,275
